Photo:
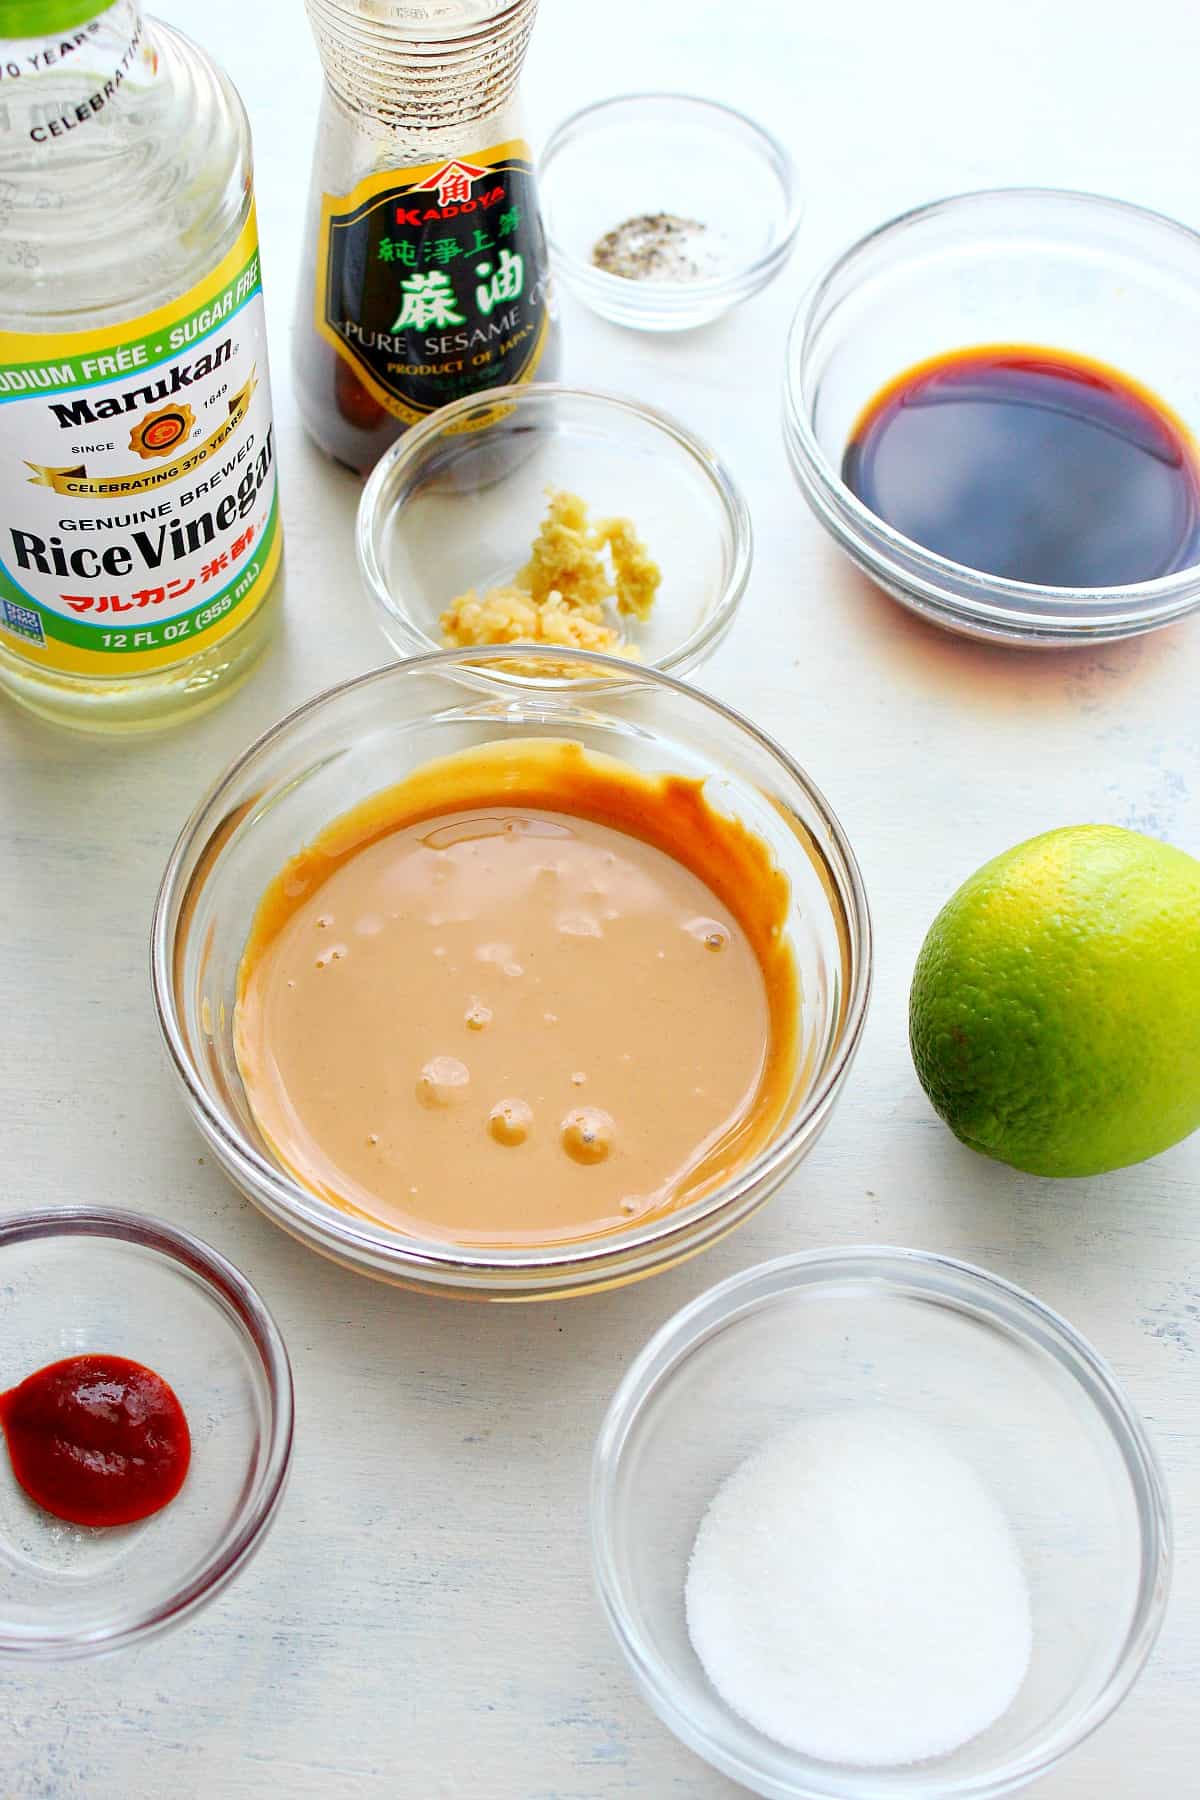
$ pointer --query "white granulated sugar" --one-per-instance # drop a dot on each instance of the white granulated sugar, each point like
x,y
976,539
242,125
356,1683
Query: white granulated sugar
x,y
856,1593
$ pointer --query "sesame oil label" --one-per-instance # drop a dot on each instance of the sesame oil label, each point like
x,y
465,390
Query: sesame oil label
x,y
433,282
139,519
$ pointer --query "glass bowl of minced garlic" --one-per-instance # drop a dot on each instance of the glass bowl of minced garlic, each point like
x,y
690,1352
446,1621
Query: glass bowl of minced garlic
x,y
558,516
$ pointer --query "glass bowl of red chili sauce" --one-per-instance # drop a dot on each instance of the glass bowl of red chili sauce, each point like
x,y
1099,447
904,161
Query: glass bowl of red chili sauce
x,y
147,1428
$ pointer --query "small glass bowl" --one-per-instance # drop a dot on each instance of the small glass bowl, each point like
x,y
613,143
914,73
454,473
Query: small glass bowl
x,y
78,1279
365,736
642,154
1036,266
457,501
1015,1391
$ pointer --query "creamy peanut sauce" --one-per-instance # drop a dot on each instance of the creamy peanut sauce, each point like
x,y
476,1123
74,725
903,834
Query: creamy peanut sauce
x,y
528,996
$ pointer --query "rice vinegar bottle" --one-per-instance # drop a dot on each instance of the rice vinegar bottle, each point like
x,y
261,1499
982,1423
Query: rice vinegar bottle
x,y
139,521
425,270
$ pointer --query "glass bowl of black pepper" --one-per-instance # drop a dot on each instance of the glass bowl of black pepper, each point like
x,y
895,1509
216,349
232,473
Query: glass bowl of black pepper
x,y
665,211
991,405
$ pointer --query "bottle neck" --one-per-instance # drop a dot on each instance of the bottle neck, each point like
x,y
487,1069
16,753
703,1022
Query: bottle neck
x,y
63,27
70,77
462,61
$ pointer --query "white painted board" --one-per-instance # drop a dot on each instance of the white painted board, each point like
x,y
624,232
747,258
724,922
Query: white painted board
x,y
421,1621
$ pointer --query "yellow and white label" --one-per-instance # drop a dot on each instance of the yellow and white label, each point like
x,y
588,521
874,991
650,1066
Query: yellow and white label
x,y
139,517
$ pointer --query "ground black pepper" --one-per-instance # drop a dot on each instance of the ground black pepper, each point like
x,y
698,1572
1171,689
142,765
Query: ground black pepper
x,y
656,247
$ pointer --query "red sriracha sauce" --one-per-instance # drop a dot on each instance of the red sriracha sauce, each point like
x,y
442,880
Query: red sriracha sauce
x,y
98,1440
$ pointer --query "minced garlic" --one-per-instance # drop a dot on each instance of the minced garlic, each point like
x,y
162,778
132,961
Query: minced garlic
x,y
560,595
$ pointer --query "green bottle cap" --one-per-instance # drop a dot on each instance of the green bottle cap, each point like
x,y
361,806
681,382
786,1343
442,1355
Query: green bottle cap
x,y
40,18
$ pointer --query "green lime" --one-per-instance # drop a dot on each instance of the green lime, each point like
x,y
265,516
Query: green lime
x,y
1055,1009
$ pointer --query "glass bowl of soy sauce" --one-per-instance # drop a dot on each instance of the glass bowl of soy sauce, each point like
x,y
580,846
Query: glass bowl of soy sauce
x,y
992,404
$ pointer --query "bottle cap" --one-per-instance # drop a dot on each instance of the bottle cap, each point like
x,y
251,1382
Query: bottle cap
x,y
37,18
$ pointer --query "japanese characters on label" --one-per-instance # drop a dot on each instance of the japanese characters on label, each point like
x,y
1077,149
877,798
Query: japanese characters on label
x,y
436,285
140,520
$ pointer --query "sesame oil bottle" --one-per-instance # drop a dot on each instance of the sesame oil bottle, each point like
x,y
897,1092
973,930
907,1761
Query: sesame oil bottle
x,y
428,269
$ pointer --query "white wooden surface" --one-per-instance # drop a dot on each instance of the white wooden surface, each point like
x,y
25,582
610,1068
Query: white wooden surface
x,y
421,1621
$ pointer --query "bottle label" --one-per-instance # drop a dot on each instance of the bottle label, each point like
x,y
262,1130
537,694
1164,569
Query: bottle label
x,y
433,282
139,520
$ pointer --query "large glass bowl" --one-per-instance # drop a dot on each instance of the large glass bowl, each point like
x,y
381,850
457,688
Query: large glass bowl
x,y
1015,1392
1036,266
78,1280
368,734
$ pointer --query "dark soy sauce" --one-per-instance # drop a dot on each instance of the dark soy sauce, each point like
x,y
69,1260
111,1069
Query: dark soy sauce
x,y
1032,464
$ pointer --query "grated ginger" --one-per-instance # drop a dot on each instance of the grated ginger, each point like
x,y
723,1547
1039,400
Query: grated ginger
x,y
560,595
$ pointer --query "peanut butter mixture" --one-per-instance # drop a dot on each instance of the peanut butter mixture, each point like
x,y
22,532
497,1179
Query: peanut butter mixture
x,y
527,997
578,576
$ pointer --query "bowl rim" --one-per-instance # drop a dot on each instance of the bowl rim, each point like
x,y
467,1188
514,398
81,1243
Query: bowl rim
x,y
343,1231
945,1280
673,295
989,600
375,509
238,1296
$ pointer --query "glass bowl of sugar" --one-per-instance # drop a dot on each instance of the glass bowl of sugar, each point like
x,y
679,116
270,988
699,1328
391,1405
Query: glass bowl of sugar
x,y
872,1524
